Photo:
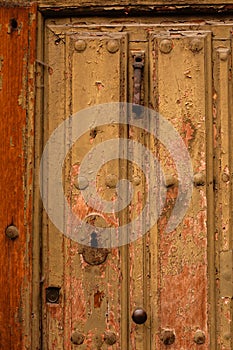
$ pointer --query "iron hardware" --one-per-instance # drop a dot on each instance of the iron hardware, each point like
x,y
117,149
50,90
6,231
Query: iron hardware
x,y
110,338
80,45
139,316
138,65
165,46
199,337
112,46
52,295
12,232
167,336
77,338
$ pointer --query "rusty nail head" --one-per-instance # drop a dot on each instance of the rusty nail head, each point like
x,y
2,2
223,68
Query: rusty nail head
x,y
77,338
170,181
136,180
12,232
196,45
225,177
223,53
111,181
167,336
199,179
110,338
112,45
81,182
199,337
165,46
52,295
80,45
139,316
223,56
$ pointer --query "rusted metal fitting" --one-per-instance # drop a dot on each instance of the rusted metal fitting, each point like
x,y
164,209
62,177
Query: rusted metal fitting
x,y
139,316
136,180
77,338
225,177
199,179
196,45
110,338
81,182
138,59
167,336
12,232
52,295
92,253
80,45
170,181
94,256
112,45
111,181
199,337
166,46
223,53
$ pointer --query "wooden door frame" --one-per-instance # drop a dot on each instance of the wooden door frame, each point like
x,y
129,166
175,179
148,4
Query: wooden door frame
x,y
36,341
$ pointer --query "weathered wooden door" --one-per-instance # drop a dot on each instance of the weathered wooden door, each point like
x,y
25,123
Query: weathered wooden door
x,y
164,278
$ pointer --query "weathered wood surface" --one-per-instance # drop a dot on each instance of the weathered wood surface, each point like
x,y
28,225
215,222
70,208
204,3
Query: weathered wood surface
x,y
181,278
172,276
125,9
17,58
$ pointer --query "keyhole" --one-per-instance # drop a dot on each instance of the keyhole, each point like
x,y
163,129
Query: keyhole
x,y
138,59
94,241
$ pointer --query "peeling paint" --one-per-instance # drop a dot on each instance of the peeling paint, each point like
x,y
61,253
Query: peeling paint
x,y
171,275
98,297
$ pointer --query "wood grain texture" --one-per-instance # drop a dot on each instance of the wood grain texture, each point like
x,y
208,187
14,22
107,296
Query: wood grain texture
x,y
168,4
17,56
180,77
124,9
90,300
166,274
223,189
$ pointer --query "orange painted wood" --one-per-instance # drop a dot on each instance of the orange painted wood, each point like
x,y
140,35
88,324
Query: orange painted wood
x,y
17,56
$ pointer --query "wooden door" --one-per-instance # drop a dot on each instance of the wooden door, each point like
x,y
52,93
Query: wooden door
x,y
164,277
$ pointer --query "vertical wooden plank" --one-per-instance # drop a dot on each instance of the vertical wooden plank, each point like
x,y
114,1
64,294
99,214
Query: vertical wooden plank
x,y
223,154
211,254
17,59
53,241
37,204
138,251
100,290
77,76
180,85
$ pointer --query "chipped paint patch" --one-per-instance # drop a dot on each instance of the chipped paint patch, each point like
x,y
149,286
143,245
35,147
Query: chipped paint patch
x,y
98,297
